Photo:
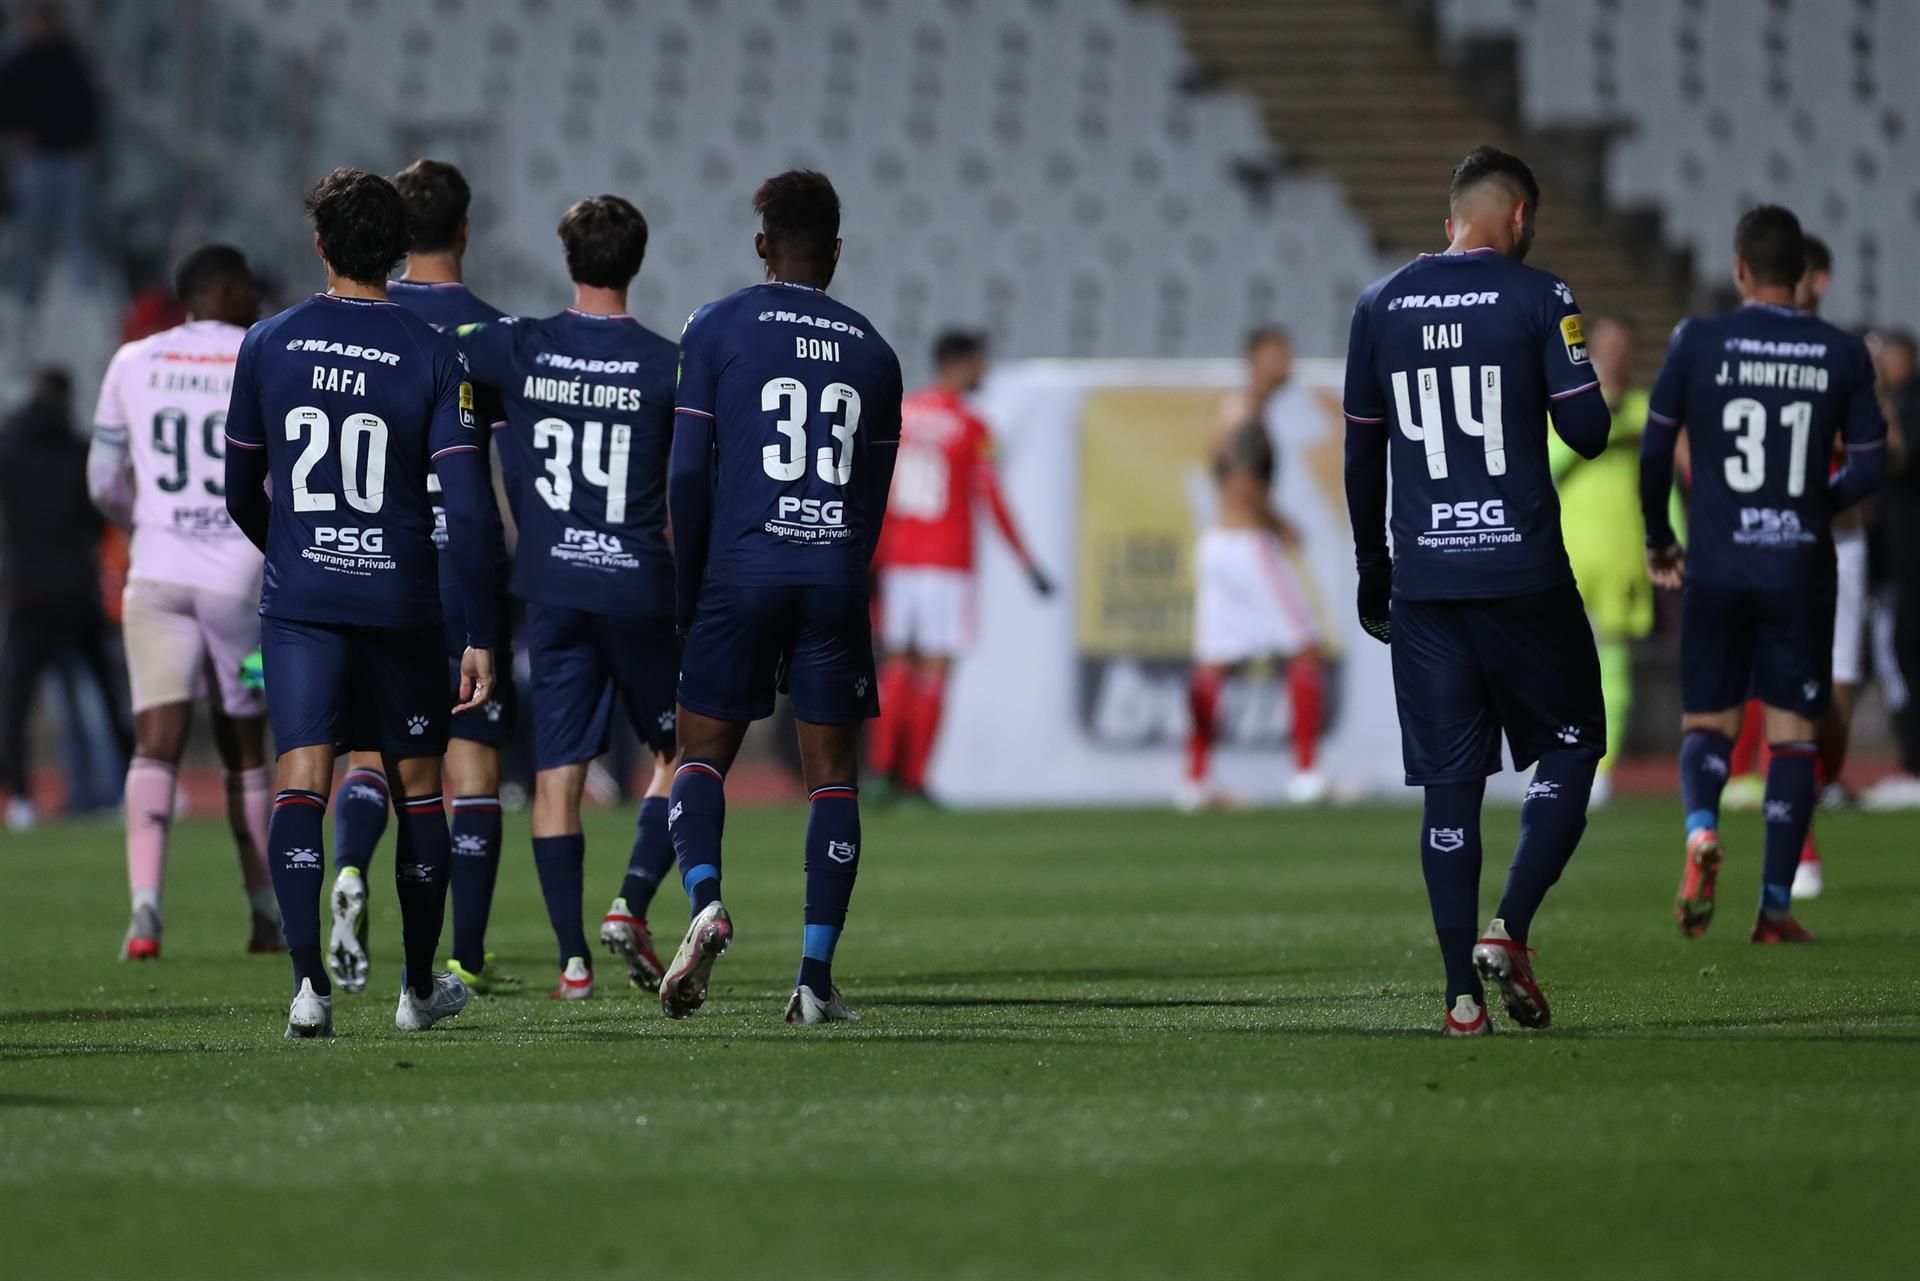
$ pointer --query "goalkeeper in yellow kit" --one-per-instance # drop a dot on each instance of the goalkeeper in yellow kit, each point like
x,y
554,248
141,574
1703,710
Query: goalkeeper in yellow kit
x,y
1605,537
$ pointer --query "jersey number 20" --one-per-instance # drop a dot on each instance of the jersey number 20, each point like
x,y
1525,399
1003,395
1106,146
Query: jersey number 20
x,y
362,435
786,459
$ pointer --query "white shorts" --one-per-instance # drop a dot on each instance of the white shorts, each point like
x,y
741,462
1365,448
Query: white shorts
x,y
1849,609
175,636
926,611
1248,601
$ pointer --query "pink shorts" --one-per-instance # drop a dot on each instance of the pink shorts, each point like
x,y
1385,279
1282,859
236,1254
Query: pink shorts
x,y
183,643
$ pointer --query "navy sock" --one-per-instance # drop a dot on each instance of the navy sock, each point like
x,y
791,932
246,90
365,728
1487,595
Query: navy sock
x,y
1704,757
1789,811
833,864
696,816
476,866
652,855
421,855
561,862
296,855
359,818
1450,858
1552,818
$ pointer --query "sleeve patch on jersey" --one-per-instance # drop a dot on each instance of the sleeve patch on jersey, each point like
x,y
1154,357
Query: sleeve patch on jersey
x,y
467,419
1575,338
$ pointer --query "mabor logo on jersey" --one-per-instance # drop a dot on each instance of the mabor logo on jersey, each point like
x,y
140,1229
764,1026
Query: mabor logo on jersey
x,y
350,539
1488,514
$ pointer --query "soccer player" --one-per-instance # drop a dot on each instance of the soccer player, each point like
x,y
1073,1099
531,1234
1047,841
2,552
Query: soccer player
x,y
788,419
945,468
351,403
1249,605
191,608
1600,520
1454,363
1763,392
437,198
589,406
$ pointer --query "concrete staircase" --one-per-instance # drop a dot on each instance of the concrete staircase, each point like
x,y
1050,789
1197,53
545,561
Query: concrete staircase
x,y
1350,88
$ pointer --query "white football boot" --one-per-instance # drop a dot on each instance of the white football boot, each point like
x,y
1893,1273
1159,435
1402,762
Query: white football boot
x,y
807,1008
347,957
684,989
1466,1018
576,981
310,1015
448,998
1810,879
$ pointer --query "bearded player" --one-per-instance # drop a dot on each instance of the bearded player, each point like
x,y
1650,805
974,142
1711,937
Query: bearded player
x,y
926,557
191,605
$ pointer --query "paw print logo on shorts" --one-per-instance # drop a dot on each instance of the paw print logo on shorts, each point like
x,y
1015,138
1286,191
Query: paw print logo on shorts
x,y
860,688
416,725
493,710
1568,734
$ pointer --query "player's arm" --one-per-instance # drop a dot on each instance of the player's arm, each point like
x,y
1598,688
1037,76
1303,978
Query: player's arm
x,y
488,347
109,471
246,462
875,477
1366,479
1580,413
1666,417
690,467
1864,437
466,491
986,488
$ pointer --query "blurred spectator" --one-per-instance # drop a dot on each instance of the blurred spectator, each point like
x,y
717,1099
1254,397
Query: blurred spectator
x,y
1899,511
1600,519
153,307
49,542
50,112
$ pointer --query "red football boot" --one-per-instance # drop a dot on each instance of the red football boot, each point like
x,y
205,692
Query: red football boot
x,y
1505,963
1783,930
1693,909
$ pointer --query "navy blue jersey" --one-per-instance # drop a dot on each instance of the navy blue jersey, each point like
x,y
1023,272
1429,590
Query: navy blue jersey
x,y
1458,357
1763,392
800,391
352,400
447,305
589,405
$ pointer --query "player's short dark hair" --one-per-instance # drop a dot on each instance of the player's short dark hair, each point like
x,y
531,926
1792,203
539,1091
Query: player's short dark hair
x,y
605,239
1486,164
1901,338
800,212
437,197
1819,255
1260,336
205,267
361,222
958,344
1768,238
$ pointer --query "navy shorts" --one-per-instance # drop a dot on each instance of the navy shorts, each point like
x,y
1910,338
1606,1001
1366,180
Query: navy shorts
x,y
1464,671
579,662
813,642
491,722
356,689
1773,644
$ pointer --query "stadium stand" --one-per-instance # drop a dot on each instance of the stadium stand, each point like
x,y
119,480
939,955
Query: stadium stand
x,y
981,186
1715,103
1316,67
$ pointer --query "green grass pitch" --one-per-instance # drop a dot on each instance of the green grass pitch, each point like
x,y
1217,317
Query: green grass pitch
x,y
1097,1045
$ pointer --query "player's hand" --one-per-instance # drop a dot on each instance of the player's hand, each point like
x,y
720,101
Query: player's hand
x,y
1042,585
476,679
1376,602
1667,567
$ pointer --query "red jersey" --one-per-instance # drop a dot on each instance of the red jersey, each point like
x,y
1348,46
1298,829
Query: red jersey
x,y
945,462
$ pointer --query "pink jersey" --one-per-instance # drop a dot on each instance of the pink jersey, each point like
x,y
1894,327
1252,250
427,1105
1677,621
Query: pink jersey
x,y
165,397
